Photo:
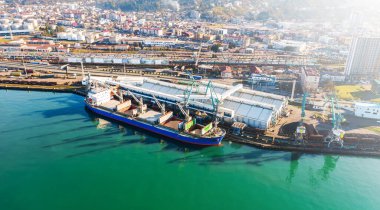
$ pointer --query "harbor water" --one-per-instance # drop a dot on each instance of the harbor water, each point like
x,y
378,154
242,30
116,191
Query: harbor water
x,y
56,155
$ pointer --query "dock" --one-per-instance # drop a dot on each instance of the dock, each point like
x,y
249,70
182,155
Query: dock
x,y
54,88
268,142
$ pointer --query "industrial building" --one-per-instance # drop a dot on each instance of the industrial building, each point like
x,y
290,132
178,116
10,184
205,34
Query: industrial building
x,y
367,110
236,104
363,61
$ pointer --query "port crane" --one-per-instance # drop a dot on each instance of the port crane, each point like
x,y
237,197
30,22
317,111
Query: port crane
x,y
118,93
300,134
142,106
184,112
161,106
213,96
336,134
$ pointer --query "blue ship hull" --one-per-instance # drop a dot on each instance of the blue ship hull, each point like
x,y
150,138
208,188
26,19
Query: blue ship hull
x,y
215,141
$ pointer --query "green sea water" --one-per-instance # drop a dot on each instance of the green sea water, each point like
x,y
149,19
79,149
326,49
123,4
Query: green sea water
x,y
55,155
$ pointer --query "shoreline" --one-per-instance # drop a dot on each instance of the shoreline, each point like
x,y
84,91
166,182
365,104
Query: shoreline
x,y
305,149
229,137
56,88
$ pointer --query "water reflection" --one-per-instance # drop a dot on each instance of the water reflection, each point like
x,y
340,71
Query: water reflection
x,y
328,167
294,161
315,175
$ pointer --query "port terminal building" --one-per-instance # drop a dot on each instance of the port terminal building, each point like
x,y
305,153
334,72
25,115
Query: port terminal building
x,y
235,104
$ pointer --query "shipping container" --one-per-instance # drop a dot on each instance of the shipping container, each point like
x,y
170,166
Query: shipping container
x,y
161,62
125,60
134,61
108,60
74,60
88,60
98,60
147,61
118,60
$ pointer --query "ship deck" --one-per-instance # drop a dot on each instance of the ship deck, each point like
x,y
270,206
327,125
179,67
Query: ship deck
x,y
173,124
110,104
150,116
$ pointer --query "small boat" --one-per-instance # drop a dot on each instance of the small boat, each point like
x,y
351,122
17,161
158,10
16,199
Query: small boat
x,y
110,103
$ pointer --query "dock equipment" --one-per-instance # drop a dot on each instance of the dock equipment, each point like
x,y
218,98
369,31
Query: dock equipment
x,y
161,106
336,134
184,112
142,106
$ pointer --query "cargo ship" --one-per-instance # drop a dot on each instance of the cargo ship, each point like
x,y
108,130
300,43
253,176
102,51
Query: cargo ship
x,y
110,103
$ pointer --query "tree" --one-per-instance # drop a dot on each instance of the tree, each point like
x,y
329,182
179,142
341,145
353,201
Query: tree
x,y
215,47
